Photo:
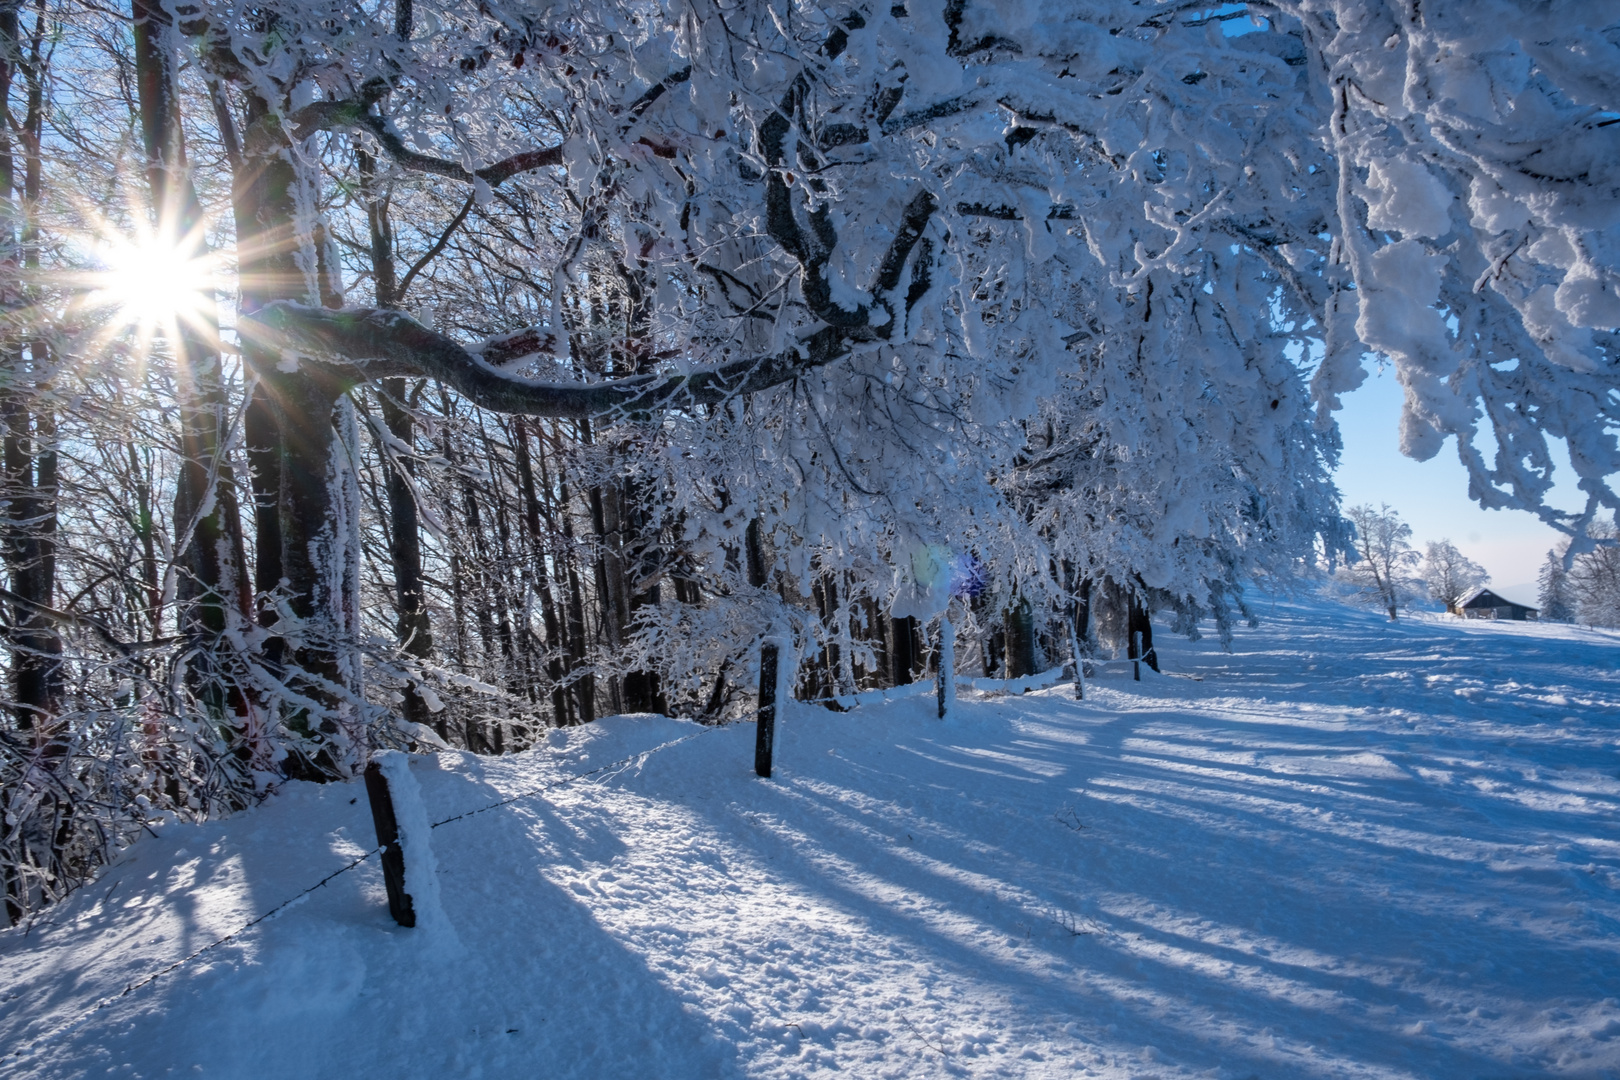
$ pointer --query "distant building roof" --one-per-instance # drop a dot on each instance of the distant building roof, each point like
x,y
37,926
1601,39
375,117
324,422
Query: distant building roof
x,y
1485,598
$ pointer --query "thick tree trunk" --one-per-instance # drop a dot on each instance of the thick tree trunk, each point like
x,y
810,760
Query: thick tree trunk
x,y
827,671
311,570
876,633
29,507
411,625
1141,632
643,690
28,488
619,523
292,463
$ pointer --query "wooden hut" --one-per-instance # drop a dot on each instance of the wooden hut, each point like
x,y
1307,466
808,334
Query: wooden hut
x,y
1484,604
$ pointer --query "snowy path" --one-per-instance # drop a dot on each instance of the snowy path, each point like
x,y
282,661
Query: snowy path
x,y
1352,850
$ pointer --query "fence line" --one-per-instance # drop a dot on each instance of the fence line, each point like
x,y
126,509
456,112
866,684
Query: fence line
x,y
147,980
37,1044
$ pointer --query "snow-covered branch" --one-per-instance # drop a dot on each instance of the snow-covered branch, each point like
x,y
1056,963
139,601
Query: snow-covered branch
x,y
372,343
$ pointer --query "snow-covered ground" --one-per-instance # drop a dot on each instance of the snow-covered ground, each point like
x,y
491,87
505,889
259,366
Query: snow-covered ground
x,y
1351,850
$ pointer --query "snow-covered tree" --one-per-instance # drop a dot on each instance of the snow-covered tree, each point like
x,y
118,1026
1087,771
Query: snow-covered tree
x,y
1382,570
1181,212
1556,595
1594,580
1450,574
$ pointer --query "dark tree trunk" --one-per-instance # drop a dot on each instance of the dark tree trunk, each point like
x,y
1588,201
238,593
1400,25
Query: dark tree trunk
x,y
1020,631
28,459
1140,631
585,685
207,520
611,615
303,404
643,690
557,662
618,521
290,439
412,626
875,633
826,676
28,487
903,653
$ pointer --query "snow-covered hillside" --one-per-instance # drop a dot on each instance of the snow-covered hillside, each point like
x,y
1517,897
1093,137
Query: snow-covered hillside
x,y
1351,850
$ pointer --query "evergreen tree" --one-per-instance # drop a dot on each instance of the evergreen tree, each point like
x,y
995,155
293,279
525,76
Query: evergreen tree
x,y
1557,601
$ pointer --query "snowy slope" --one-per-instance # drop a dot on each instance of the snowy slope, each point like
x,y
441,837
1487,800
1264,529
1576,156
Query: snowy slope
x,y
1351,850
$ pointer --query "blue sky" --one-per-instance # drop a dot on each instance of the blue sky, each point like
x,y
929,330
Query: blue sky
x,y
1432,496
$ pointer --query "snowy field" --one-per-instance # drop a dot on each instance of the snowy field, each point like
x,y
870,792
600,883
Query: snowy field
x,y
1350,850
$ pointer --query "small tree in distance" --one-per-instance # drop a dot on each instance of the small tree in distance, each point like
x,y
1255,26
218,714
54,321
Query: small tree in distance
x,y
1382,570
1451,575
1557,597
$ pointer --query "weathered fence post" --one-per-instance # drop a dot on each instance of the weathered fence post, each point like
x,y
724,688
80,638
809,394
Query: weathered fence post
x,y
393,856
1136,655
947,666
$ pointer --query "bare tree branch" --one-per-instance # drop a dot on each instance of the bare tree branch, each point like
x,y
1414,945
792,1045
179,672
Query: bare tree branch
x,y
356,113
432,252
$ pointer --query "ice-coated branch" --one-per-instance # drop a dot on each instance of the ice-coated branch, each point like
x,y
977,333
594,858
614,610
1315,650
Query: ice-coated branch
x,y
378,343
1060,212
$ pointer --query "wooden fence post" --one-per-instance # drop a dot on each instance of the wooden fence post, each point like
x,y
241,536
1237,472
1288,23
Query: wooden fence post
x,y
765,730
1079,664
393,857
769,657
